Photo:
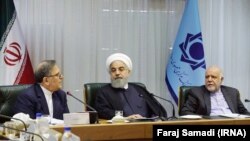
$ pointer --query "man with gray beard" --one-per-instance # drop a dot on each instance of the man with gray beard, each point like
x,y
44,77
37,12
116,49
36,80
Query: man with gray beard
x,y
134,100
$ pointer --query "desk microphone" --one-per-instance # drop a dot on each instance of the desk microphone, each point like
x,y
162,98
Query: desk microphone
x,y
173,116
247,100
8,117
84,103
1,125
91,108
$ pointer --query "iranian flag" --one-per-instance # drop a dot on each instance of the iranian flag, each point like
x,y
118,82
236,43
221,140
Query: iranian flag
x,y
15,65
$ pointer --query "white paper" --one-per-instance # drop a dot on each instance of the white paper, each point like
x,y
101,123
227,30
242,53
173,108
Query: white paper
x,y
191,117
76,118
110,121
56,121
234,115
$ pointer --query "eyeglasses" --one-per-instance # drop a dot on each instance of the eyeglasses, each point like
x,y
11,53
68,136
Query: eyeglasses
x,y
58,75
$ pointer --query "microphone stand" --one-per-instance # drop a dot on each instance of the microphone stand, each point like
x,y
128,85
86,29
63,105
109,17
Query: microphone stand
x,y
88,106
247,100
91,108
170,118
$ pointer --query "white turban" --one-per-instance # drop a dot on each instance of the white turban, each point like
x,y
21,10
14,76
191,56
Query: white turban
x,y
121,57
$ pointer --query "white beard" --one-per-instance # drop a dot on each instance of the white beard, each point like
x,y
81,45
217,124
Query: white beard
x,y
119,83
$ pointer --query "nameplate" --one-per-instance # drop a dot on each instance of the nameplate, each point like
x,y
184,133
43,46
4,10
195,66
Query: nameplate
x,y
76,118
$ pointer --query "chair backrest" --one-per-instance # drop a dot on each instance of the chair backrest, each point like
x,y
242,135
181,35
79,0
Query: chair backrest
x,y
92,88
183,96
8,95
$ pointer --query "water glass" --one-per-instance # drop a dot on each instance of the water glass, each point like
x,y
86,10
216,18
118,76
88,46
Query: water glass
x,y
43,126
118,118
119,113
47,117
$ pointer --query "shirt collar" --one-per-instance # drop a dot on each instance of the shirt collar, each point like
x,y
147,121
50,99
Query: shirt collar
x,y
46,92
219,91
126,86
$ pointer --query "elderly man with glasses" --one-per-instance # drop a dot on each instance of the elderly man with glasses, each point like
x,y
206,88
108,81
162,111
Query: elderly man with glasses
x,y
45,96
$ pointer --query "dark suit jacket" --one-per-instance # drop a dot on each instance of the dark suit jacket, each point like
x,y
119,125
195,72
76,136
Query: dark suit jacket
x,y
33,101
198,101
107,101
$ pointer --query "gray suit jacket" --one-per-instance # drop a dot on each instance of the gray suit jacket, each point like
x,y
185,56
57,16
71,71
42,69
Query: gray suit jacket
x,y
198,101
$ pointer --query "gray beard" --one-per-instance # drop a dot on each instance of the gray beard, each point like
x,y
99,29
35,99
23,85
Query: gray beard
x,y
119,83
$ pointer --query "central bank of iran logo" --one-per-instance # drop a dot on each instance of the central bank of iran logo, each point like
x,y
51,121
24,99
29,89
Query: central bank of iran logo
x,y
192,51
12,54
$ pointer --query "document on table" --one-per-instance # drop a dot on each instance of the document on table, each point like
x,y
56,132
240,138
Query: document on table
x,y
234,115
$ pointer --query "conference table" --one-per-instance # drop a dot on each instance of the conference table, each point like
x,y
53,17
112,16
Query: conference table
x,y
137,131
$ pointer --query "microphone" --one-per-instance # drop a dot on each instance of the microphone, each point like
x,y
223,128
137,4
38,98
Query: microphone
x,y
94,116
247,100
91,108
173,116
22,131
8,117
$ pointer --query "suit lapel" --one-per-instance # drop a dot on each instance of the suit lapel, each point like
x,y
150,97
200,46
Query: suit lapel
x,y
42,100
207,101
56,104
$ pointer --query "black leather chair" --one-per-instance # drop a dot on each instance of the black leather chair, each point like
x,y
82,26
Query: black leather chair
x,y
8,95
183,96
91,90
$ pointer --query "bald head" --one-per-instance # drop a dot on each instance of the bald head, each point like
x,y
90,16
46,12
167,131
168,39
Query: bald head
x,y
213,79
215,70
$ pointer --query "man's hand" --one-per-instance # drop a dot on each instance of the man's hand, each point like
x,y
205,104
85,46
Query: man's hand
x,y
135,116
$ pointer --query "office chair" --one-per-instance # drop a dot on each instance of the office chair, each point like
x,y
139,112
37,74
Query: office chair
x,y
8,95
183,96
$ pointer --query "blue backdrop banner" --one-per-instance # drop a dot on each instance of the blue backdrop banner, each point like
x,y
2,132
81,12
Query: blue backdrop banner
x,y
186,65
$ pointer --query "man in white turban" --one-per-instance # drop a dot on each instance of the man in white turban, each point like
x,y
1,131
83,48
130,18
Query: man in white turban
x,y
119,66
134,100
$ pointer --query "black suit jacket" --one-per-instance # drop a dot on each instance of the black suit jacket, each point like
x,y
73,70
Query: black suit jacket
x,y
33,100
198,101
107,101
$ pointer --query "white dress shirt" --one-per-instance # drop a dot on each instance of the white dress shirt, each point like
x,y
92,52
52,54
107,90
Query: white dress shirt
x,y
48,96
218,104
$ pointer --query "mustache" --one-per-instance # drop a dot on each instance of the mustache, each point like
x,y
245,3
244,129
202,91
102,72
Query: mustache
x,y
118,78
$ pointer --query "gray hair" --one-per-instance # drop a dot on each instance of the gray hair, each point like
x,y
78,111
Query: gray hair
x,y
44,69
